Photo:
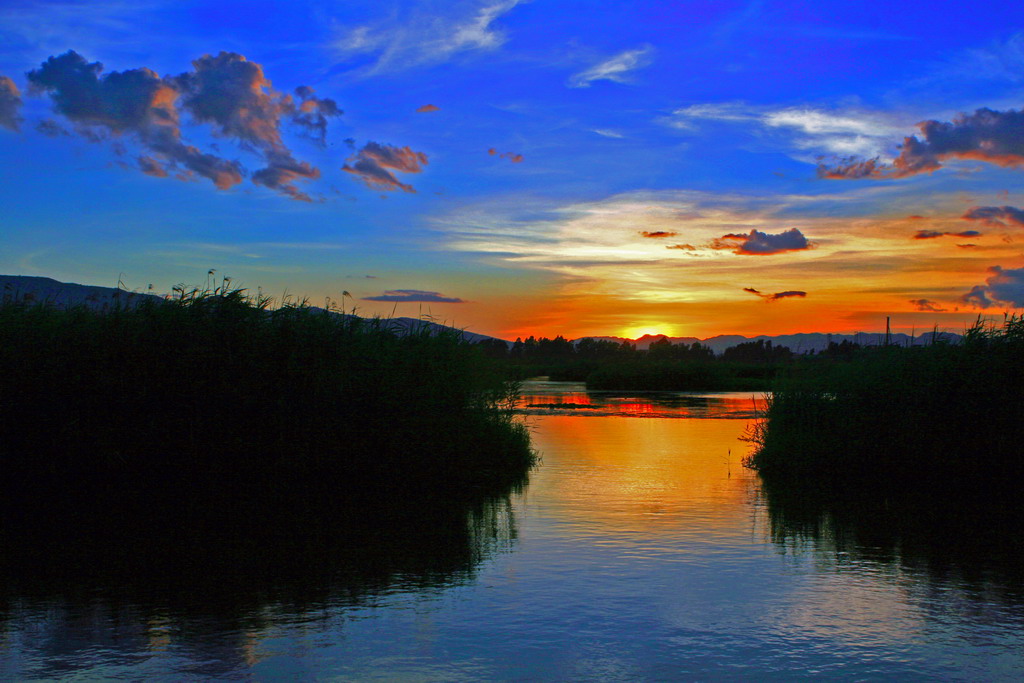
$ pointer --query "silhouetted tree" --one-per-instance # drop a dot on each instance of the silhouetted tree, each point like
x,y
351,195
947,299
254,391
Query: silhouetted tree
x,y
494,348
593,349
844,349
759,351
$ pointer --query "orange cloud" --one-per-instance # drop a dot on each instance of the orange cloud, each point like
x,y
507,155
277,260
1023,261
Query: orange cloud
x,y
514,158
372,162
996,216
1005,286
932,234
927,305
10,103
758,243
777,295
427,108
986,135
227,92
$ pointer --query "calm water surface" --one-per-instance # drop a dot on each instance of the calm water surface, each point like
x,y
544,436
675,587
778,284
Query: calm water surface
x,y
640,549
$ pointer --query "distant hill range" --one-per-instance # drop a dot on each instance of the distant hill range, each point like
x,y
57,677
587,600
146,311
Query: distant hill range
x,y
797,343
44,290
63,294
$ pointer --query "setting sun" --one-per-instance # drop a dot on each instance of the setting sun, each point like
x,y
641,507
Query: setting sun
x,y
651,330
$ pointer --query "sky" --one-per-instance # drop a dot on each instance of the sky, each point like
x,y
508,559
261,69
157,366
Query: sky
x,y
526,168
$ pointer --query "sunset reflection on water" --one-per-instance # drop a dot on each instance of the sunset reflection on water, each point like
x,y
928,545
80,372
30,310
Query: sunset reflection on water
x,y
542,397
638,483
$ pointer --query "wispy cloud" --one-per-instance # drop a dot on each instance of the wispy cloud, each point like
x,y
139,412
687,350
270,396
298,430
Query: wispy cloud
x,y
685,117
30,28
414,295
1000,61
616,69
843,132
597,242
425,38
596,249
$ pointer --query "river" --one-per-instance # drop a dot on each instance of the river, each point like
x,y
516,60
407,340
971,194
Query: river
x,y
640,549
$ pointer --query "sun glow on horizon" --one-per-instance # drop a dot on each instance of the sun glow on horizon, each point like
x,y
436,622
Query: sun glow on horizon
x,y
653,330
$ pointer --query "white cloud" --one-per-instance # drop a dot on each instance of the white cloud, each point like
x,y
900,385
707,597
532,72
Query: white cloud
x,y
608,133
426,38
855,132
615,69
723,111
818,122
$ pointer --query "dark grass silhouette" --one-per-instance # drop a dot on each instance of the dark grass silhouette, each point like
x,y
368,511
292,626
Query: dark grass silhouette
x,y
940,425
208,461
213,400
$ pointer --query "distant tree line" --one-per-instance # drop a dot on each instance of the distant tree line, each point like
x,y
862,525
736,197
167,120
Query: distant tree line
x,y
605,364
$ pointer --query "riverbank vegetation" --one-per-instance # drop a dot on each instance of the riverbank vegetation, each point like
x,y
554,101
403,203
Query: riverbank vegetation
x,y
935,425
212,398
664,366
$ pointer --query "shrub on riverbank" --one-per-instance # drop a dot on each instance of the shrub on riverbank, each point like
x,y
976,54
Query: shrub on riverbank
x,y
943,422
213,396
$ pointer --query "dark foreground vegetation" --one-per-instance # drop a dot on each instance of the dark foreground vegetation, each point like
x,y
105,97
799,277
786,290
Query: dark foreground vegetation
x,y
606,365
932,427
212,400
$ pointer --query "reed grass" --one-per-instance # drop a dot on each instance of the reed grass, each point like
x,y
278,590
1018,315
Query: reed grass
x,y
938,423
217,397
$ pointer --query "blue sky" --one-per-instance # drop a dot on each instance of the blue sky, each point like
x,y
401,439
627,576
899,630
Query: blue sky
x,y
505,159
